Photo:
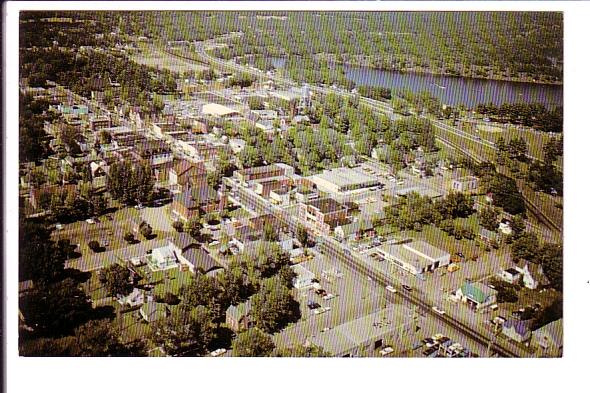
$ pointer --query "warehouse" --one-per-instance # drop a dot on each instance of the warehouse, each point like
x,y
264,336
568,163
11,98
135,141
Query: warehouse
x,y
343,179
416,257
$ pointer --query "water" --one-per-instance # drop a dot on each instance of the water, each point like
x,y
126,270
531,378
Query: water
x,y
452,90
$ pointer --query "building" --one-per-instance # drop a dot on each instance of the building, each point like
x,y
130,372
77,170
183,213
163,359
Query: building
x,y
217,110
343,179
265,186
238,317
190,256
416,257
366,336
194,200
263,172
304,278
516,330
466,184
185,173
510,275
354,230
548,340
505,226
323,214
533,276
477,295
281,196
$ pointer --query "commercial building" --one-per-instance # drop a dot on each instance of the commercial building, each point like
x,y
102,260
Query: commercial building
x,y
323,214
343,179
304,278
365,336
218,110
416,257
264,172
466,184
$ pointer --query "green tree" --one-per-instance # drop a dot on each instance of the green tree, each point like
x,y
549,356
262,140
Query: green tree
x,y
551,259
39,257
488,218
526,247
128,237
273,307
193,228
116,279
302,235
269,233
253,343
184,333
302,351
99,338
146,230
55,309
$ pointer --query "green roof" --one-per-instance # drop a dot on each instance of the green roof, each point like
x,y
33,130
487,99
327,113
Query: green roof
x,y
476,291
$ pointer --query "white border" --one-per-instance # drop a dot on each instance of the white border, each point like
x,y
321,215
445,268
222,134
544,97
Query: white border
x,y
97,375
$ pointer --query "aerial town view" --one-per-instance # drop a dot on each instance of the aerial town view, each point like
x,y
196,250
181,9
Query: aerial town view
x,y
290,184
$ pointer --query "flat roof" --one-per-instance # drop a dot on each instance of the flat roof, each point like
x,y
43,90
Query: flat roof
x,y
343,177
218,110
355,333
326,205
417,253
424,191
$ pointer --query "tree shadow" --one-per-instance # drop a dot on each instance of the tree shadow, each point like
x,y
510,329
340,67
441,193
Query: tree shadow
x,y
76,275
223,338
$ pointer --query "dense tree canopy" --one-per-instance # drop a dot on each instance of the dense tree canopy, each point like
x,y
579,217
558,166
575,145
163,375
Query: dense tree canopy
x,y
253,343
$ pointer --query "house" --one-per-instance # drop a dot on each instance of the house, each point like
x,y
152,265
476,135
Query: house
x,y
162,258
367,335
477,295
238,317
134,299
99,171
416,257
199,260
323,214
533,276
263,172
489,236
152,311
184,173
548,339
466,184
304,277
510,275
505,226
516,330
194,200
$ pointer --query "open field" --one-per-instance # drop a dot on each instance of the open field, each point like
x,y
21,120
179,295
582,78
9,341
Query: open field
x,y
153,57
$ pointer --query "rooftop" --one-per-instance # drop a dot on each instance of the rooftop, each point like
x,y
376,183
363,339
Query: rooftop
x,y
343,177
418,253
218,110
355,333
477,291
326,205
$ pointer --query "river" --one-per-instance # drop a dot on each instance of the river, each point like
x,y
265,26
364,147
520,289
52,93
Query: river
x,y
452,90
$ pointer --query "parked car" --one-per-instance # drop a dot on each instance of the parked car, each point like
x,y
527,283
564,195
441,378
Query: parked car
x,y
90,221
386,351
407,287
329,296
59,227
391,289
313,305
321,292
321,310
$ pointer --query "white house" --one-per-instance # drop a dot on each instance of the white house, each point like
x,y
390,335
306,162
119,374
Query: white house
x,y
510,275
505,227
532,275
304,277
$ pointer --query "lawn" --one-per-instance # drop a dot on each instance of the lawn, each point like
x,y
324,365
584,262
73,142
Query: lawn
x,y
133,327
440,239
171,280
94,288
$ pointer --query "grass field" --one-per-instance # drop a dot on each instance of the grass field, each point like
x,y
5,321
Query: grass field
x,y
153,57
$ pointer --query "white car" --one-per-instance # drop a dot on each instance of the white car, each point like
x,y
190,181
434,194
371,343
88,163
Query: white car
x,y
321,310
391,289
329,296
59,227
438,310
218,352
90,221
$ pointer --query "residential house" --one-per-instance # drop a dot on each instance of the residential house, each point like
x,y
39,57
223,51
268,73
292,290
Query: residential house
x,y
238,318
99,171
510,275
548,340
194,200
185,173
323,214
505,226
488,236
477,295
516,330
533,276
304,278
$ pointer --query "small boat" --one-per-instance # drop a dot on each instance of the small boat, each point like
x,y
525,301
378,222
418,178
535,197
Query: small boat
x,y
439,86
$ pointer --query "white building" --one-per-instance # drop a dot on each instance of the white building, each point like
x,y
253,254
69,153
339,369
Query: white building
x,y
416,257
304,277
466,184
343,179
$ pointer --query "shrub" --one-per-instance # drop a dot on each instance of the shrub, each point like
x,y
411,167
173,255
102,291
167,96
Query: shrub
x,y
94,245
129,238
179,226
